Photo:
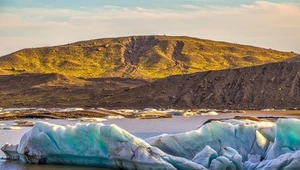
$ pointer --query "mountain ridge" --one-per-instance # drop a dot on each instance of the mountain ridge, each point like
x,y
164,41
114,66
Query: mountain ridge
x,y
142,57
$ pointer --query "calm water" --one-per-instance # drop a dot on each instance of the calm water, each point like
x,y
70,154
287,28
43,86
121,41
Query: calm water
x,y
142,128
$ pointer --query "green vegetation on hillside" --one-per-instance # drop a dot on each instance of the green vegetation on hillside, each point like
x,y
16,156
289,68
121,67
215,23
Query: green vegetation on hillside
x,y
143,57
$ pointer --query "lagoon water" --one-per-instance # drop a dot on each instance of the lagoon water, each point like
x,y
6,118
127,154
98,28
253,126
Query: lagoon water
x,y
142,128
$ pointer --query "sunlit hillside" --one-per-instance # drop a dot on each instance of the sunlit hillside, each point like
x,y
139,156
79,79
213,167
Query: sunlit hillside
x,y
143,57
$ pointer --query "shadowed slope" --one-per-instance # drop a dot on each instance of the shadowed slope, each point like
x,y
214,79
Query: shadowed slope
x,y
275,85
53,90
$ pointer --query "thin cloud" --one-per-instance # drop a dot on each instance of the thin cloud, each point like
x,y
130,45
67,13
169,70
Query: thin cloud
x,y
188,6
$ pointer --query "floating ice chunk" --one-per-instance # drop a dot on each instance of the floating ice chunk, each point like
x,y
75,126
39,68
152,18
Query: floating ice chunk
x,y
10,128
41,109
114,117
153,115
150,110
23,123
17,109
211,113
127,111
71,109
177,112
205,156
189,113
267,110
174,112
92,119
71,119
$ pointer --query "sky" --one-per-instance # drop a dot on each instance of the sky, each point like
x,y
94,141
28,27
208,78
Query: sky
x,y
35,23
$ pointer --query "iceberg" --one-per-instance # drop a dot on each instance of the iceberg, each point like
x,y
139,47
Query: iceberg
x,y
226,144
106,146
245,136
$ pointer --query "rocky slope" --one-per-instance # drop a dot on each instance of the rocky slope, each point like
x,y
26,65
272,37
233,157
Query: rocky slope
x,y
142,57
53,90
275,85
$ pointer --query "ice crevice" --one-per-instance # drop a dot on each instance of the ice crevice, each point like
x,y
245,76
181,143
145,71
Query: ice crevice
x,y
227,144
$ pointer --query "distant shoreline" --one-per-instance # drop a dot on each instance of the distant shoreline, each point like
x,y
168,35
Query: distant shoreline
x,y
55,113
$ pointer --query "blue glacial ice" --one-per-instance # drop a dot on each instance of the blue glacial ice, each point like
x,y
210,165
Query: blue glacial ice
x,y
227,144
106,146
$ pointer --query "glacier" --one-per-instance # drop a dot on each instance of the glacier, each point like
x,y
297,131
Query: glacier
x,y
221,144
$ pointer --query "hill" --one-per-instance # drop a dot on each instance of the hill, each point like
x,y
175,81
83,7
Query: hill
x,y
275,85
141,57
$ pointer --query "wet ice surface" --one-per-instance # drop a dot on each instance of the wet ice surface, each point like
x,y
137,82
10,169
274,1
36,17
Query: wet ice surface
x,y
140,128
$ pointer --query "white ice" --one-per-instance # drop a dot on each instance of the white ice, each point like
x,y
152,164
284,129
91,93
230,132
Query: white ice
x,y
211,113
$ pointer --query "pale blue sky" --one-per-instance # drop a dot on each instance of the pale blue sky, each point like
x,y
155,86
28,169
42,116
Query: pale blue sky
x,y
169,4
32,23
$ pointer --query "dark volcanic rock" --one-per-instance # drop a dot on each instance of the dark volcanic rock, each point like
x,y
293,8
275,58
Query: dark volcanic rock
x,y
267,86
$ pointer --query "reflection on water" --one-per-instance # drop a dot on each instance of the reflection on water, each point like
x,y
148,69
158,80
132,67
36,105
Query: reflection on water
x,y
13,165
